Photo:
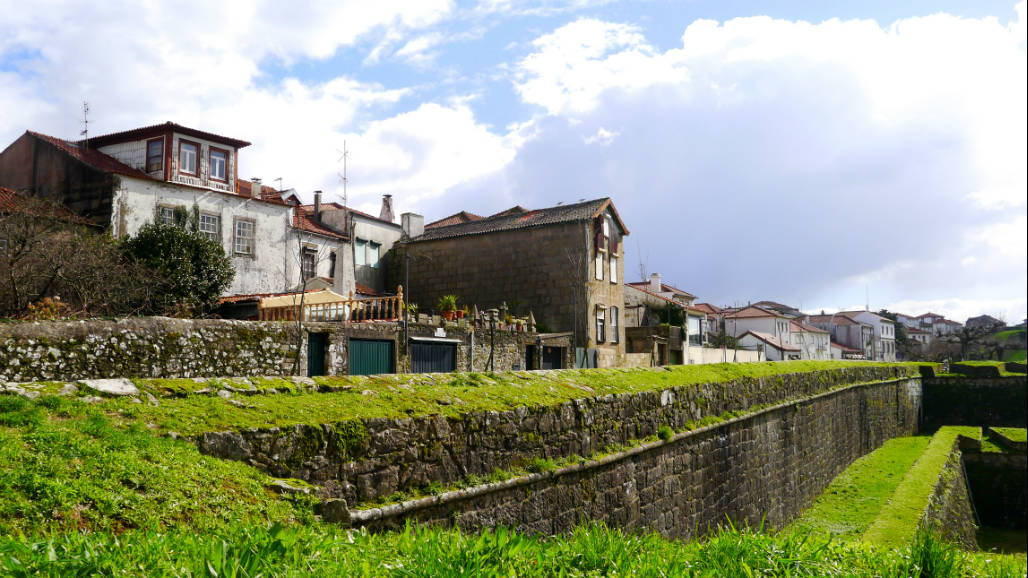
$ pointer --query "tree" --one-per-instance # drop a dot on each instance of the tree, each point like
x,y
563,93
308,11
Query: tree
x,y
906,348
192,270
46,252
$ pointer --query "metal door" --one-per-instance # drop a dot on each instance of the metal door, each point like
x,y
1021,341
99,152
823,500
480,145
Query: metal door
x,y
433,357
370,357
553,358
317,345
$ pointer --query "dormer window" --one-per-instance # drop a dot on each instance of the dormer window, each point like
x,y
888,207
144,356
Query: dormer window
x,y
218,163
187,155
155,155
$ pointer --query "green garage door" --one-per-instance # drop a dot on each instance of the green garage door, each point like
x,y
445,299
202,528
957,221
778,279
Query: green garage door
x,y
370,357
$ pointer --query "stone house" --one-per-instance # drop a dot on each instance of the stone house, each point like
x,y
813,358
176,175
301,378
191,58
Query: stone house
x,y
564,264
124,180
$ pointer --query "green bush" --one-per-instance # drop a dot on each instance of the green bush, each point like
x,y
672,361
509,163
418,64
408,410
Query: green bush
x,y
193,270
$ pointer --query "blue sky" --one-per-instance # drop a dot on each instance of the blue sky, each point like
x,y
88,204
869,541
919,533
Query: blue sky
x,y
805,152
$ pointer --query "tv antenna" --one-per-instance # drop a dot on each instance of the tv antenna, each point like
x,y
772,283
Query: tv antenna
x,y
84,133
343,156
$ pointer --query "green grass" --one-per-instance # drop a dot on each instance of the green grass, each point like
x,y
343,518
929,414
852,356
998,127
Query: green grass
x,y
1014,434
1014,354
394,396
1009,334
591,550
65,466
898,520
856,496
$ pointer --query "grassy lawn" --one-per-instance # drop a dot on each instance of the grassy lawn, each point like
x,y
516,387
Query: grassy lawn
x,y
856,496
1014,434
1014,354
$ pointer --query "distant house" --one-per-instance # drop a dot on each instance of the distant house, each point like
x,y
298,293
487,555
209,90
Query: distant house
x,y
922,338
759,320
984,322
564,264
774,349
646,313
840,351
780,308
813,342
846,332
657,286
937,325
124,180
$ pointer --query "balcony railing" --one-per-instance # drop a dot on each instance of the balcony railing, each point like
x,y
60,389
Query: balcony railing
x,y
352,309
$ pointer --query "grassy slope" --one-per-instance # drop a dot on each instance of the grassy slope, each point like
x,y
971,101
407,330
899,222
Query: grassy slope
x,y
856,496
427,394
64,466
1014,434
897,523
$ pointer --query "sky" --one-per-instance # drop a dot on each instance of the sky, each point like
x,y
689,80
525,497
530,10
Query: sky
x,y
828,155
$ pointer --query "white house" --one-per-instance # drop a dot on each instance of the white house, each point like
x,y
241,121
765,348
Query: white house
x,y
764,321
813,342
372,236
774,349
884,345
124,180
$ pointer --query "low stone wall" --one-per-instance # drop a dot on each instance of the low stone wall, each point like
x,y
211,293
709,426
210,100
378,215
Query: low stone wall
x,y
365,459
949,510
1001,402
143,347
762,468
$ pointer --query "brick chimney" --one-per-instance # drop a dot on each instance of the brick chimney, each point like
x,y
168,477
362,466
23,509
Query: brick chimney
x,y
317,205
655,282
255,187
386,214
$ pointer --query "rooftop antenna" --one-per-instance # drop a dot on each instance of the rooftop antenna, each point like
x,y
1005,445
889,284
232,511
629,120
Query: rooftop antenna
x,y
279,179
343,156
867,299
84,133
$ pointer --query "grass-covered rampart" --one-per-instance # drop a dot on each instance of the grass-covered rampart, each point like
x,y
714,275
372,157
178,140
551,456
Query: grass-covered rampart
x,y
399,396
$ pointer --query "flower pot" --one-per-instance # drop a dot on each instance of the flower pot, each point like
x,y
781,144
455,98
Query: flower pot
x,y
449,315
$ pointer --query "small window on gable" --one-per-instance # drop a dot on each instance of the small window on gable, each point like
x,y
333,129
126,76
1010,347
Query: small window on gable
x,y
155,155
187,155
218,164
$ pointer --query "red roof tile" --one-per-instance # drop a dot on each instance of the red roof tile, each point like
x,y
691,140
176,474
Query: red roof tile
x,y
669,300
751,312
518,218
302,219
771,340
800,327
159,129
93,157
455,219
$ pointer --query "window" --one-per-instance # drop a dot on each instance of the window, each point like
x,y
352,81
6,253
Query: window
x,y
599,265
695,329
210,226
602,237
187,154
166,215
218,164
601,326
332,265
359,255
613,268
373,252
615,334
309,262
243,243
155,155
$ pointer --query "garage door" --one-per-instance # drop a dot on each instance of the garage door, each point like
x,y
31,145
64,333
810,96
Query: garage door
x,y
430,357
370,357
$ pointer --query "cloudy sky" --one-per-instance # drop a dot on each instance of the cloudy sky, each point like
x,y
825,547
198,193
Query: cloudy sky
x,y
807,152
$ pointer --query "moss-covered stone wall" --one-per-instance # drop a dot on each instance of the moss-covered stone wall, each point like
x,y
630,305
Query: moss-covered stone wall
x,y
950,511
1000,401
143,347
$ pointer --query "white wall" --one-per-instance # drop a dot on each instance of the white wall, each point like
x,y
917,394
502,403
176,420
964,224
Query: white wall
x,y
266,271
699,355
770,352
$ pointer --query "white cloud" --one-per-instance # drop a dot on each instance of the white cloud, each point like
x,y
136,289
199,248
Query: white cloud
x,y
603,137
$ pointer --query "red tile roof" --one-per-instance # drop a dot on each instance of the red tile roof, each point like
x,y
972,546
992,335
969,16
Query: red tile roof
x,y
455,219
751,312
664,287
771,340
303,220
93,157
518,218
668,299
837,319
844,348
708,308
11,200
159,129
800,327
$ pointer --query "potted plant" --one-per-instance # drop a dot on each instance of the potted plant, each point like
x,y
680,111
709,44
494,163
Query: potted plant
x,y
462,312
448,307
412,311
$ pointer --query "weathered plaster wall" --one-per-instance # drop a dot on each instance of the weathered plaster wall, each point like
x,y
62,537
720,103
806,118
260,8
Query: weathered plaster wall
x,y
775,462
1001,401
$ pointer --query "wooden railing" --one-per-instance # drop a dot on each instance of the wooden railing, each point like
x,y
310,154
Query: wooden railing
x,y
352,309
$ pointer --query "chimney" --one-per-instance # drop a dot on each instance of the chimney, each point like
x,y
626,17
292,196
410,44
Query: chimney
x,y
655,282
255,187
413,224
317,205
386,214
